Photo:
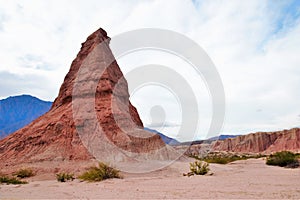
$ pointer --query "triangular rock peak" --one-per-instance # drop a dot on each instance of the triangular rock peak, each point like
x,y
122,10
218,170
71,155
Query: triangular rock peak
x,y
92,117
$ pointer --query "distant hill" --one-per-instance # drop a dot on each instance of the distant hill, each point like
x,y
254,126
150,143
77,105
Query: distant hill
x,y
209,140
222,137
18,111
166,139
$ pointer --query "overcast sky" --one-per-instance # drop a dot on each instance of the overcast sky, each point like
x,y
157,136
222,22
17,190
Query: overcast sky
x,y
254,44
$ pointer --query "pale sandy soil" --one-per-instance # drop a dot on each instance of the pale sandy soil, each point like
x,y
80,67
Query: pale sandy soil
x,y
242,179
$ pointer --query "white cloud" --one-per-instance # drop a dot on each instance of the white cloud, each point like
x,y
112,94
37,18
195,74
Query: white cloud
x,y
254,44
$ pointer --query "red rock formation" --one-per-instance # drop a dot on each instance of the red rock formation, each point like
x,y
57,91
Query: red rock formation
x,y
261,142
55,135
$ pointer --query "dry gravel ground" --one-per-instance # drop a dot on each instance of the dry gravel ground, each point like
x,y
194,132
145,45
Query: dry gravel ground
x,y
249,179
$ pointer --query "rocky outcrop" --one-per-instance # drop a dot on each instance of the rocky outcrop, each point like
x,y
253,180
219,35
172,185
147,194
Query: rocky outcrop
x,y
91,117
261,142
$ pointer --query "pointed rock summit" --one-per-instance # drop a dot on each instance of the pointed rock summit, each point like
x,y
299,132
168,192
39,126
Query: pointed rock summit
x,y
92,117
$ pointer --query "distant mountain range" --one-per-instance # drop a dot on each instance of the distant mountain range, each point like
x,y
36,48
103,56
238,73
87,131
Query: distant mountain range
x,y
166,139
209,140
222,137
18,111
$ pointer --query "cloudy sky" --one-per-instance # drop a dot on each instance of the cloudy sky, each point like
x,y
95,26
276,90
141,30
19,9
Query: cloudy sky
x,y
254,44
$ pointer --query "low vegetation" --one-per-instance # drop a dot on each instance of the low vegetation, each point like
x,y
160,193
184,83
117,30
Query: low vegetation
x,y
15,179
24,173
102,172
225,158
10,180
283,159
199,167
63,177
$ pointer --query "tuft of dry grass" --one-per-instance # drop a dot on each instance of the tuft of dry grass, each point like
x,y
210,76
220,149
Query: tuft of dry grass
x,y
102,172
11,180
63,177
199,167
24,173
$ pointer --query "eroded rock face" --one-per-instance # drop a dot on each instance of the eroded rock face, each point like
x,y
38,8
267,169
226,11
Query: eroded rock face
x,y
81,114
262,142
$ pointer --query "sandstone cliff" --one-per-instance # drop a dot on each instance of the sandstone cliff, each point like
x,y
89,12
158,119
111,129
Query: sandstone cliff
x,y
261,142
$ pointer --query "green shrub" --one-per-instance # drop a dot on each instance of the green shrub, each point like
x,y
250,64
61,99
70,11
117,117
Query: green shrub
x,y
24,173
199,167
221,158
63,177
102,172
283,159
11,180
224,159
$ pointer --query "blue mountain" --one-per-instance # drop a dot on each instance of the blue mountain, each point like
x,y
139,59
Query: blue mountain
x,y
223,137
18,111
166,139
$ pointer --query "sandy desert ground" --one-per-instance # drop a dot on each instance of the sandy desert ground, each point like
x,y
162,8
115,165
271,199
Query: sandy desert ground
x,y
251,179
